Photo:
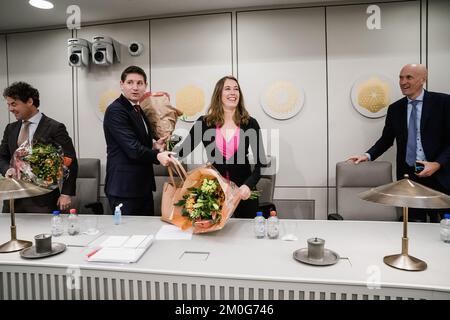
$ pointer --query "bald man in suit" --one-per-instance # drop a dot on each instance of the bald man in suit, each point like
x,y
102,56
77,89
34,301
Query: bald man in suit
x,y
420,125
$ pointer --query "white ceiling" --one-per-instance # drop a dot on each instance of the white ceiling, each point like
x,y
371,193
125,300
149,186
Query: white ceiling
x,y
19,15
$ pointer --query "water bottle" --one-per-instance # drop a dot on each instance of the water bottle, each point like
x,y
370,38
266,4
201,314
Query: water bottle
x,y
445,228
118,214
73,228
57,224
273,225
260,225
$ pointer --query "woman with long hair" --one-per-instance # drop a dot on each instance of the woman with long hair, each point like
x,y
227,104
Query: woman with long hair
x,y
227,132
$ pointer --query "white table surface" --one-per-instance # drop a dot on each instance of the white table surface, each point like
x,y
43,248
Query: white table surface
x,y
235,253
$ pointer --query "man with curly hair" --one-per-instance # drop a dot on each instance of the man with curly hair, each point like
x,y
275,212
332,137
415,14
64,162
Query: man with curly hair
x,y
32,125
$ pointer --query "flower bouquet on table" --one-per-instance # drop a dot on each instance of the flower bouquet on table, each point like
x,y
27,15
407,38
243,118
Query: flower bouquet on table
x,y
41,164
202,199
162,116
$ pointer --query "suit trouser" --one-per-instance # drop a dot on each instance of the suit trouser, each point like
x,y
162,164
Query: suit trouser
x,y
142,206
420,215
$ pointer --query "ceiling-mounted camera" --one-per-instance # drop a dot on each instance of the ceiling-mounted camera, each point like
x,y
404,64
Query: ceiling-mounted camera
x,y
135,48
78,52
104,49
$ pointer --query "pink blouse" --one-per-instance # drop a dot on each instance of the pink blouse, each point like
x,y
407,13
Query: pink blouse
x,y
229,148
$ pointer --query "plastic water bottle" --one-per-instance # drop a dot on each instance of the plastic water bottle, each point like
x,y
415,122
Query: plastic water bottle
x,y
273,225
57,224
73,227
259,225
445,228
118,214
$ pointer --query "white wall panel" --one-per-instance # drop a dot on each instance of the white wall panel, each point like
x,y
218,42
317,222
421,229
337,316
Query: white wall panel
x,y
288,45
95,82
353,51
439,46
40,58
190,51
4,114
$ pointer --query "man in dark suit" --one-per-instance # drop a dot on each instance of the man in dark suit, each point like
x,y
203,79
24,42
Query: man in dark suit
x,y
32,125
420,125
131,151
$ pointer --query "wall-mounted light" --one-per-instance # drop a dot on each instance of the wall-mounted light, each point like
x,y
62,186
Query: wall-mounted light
x,y
41,4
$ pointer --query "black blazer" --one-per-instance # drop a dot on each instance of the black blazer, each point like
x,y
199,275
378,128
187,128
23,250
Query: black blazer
x,y
130,158
48,131
238,166
434,129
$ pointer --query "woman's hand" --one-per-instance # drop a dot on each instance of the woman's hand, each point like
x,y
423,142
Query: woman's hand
x,y
244,192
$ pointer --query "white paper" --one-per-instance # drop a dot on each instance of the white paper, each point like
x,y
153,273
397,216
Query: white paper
x,y
114,241
170,232
122,249
134,241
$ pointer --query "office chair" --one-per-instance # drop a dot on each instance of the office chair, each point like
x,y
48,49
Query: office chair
x,y
352,179
87,199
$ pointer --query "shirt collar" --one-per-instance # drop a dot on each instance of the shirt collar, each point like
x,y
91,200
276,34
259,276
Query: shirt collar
x,y
419,98
36,118
133,103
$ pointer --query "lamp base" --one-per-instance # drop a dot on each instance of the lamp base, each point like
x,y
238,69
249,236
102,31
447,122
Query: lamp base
x,y
405,262
14,245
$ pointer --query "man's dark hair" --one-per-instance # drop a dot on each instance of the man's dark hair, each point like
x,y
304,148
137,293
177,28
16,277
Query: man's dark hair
x,y
22,91
133,69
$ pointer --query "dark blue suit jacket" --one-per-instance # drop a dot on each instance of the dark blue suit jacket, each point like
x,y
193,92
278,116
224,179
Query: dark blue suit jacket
x,y
130,158
434,130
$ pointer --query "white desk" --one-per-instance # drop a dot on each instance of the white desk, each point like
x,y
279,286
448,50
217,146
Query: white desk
x,y
238,265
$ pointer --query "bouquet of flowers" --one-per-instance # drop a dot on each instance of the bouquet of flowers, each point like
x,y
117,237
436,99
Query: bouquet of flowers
x,y
203,199
203,204
162,116
41,164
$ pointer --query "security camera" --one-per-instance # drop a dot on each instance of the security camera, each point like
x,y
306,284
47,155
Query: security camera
x,y
135,48
78,52
104,50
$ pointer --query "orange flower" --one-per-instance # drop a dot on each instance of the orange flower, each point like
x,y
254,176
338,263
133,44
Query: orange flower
x,y
67,161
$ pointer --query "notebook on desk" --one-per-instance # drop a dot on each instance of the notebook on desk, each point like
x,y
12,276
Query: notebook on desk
x,y
121,249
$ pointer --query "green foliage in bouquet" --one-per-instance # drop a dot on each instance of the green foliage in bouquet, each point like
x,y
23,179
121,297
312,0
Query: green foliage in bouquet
x,y
204,202
46,164
172,141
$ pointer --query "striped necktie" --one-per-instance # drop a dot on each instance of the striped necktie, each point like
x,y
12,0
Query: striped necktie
x,y
24,133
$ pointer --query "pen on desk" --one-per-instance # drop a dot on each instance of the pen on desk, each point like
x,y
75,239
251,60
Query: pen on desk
x,y
92,252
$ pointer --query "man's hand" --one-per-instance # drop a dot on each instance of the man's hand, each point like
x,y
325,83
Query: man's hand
x,y
429,168
244,192
64,202
164,157
10,173
160,145
358,158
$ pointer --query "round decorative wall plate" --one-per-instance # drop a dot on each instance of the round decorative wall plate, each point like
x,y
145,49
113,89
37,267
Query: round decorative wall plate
x,y
372,94
282,100
191,101
106,98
